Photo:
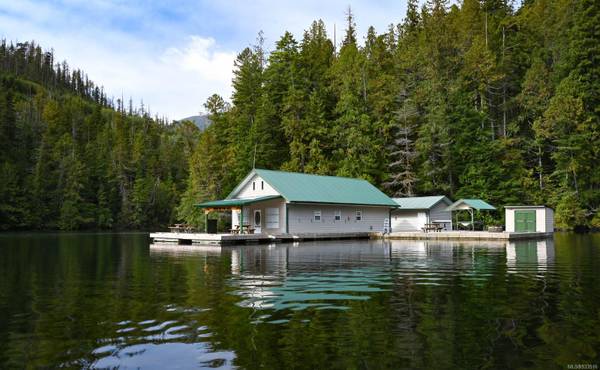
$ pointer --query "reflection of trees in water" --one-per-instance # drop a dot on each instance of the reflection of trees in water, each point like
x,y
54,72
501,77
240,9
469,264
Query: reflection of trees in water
x,y
435,305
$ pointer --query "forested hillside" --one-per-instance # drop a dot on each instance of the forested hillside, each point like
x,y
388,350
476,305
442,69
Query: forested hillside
x,y
477,100
73,159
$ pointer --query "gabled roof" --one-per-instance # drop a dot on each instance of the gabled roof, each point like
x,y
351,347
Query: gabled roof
x,y
477,204
235,202
305,188
421,202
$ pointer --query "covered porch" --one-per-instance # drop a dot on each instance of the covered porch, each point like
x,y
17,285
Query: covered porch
x,y
259,215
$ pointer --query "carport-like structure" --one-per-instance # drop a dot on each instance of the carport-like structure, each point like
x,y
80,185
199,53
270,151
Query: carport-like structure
x,y
469,205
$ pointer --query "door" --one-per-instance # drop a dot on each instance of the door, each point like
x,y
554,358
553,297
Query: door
x,y
525,221
257,221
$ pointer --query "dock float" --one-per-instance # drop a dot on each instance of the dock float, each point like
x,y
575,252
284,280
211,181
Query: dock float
x,y
232,239
466,235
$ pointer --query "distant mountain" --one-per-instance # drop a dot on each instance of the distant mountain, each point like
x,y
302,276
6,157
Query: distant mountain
x,y
202,121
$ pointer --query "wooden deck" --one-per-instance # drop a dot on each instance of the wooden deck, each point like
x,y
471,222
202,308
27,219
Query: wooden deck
x,y
232,239
465,235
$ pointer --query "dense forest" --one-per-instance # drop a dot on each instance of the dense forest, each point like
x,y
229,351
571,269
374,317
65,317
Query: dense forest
x,y
478,100
482,99
74,159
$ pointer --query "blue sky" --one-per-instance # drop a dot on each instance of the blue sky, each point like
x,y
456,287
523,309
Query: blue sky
x,y
173,55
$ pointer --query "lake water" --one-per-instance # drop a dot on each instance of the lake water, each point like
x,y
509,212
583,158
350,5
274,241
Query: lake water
x,y
113,300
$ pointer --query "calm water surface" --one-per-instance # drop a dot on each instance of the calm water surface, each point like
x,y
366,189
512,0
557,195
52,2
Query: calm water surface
x,y
113,300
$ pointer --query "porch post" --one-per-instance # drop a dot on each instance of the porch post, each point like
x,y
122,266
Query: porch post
x,y
206,222
472,220
241,219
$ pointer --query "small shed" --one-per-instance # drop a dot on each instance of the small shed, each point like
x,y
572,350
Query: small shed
x,y
415,212
529,219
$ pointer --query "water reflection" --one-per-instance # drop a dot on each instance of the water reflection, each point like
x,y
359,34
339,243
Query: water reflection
x,y
286,277
527,255
109,300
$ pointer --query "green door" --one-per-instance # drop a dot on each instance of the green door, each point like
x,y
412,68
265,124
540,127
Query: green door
x,y
525,221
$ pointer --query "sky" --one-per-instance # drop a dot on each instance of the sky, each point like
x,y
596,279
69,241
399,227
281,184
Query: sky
x,y
174,54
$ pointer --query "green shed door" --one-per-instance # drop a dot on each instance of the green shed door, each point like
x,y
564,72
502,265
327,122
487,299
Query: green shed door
x,y
525,221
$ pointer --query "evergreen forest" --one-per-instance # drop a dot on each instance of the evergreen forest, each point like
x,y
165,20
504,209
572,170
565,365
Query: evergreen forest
x,y
477,99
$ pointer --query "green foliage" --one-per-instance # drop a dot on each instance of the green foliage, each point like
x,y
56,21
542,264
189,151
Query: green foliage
x,y
477,99
71,160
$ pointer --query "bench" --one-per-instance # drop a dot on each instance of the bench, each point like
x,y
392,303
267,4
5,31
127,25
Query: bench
x,y
432,227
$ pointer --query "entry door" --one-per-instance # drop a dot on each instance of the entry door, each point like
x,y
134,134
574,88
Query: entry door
x,y
525,221
257,221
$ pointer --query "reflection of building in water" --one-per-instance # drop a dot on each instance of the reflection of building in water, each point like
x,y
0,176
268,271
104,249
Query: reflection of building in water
x,y
276,259
184,250
529,252
319,274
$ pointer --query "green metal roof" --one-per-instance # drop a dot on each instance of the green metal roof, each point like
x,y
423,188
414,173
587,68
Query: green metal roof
x,y
234,202
477,204
421,202
306,188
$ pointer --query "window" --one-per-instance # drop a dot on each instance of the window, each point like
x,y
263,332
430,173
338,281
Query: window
x,y
337,216
272,218
262,185
317,215
358,215
253,185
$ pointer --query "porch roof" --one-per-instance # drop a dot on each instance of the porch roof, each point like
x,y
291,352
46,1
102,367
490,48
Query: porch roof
x,y
225,203
477,204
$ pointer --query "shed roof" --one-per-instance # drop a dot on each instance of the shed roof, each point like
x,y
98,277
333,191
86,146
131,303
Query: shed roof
x,y
306,188
421,202
522,207
235,202
477,204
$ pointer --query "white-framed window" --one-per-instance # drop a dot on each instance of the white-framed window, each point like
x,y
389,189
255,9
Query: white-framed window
x,y
337,215
358,215
253,185
272,218
262,185
317,216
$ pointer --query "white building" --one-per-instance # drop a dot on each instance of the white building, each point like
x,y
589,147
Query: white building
x,y
415,212
276,202
529,219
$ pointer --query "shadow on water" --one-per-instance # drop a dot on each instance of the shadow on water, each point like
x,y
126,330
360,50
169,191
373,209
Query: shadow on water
x,y
109,300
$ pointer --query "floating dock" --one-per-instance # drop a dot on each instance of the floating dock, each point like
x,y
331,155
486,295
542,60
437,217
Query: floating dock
x,y
467,235
232,239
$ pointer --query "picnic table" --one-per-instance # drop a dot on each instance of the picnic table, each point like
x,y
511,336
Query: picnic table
x,y
433,227
181,228
245,230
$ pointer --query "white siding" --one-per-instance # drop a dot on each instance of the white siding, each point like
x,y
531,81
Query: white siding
x,y
509,220
301,220
549,220
408,220
540,220
247,192
439,213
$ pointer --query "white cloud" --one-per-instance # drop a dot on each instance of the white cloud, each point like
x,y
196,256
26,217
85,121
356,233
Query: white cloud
x,y
173,56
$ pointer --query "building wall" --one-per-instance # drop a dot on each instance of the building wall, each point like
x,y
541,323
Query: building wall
x,y
549,220
408,220
261,189
301,218
438,213
509,220
544,219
